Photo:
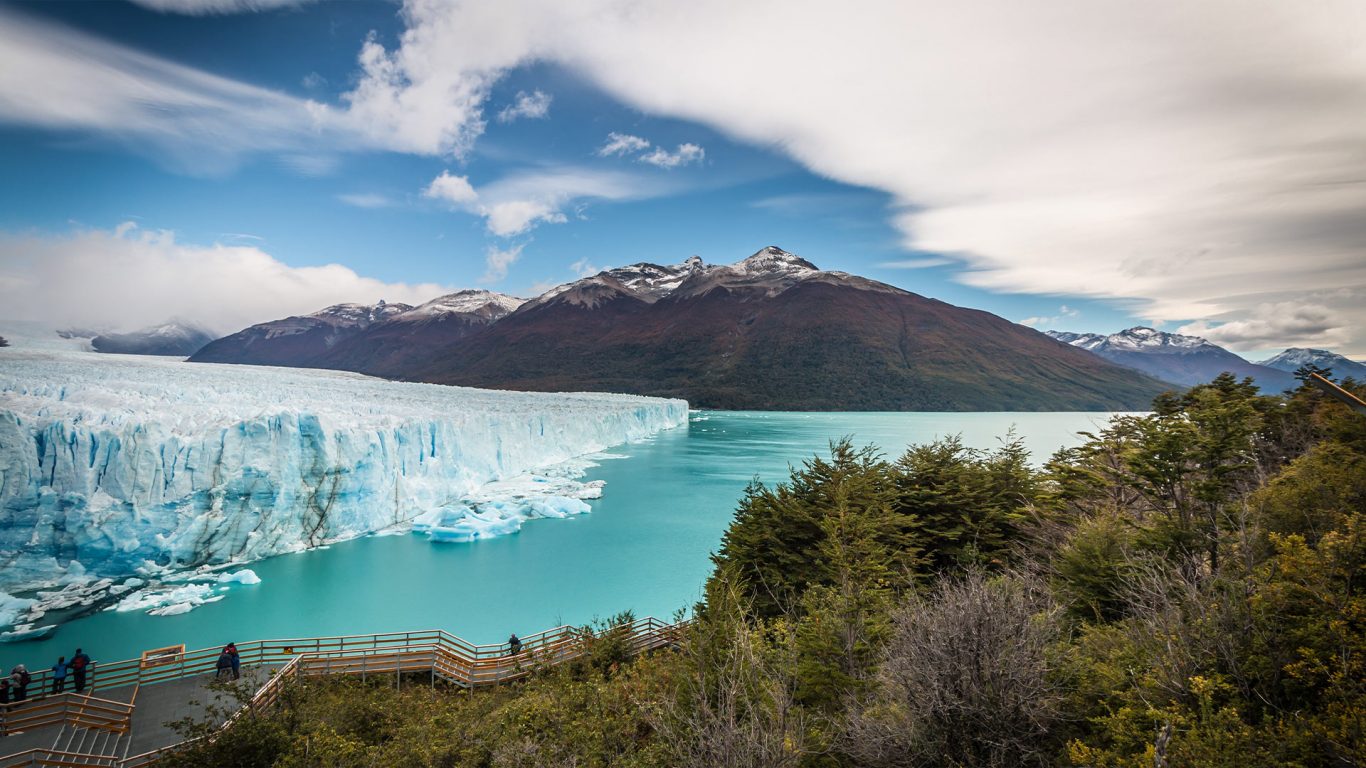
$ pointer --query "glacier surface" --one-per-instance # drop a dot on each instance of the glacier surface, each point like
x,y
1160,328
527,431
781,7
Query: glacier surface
x,y
116,466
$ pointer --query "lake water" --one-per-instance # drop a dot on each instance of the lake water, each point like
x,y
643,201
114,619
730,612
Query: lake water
x,y
645,546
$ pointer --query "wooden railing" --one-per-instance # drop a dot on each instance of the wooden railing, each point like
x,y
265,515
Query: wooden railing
x,y
73,709
436,652
56,758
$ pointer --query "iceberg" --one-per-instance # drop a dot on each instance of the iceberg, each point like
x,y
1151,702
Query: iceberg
x,y
115,467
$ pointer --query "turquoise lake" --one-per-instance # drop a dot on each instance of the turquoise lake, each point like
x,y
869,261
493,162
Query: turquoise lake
x,y
645,546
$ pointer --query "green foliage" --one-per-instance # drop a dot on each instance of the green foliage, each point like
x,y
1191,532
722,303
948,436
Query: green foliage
x,y
1183,589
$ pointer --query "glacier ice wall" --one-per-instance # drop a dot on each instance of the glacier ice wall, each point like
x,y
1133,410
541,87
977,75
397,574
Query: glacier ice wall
x,y
120,464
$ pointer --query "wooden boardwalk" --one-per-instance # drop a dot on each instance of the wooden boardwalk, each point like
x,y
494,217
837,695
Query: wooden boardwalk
x,y
121,720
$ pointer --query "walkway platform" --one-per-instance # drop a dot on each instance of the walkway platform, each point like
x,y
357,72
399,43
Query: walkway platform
x,y
121,721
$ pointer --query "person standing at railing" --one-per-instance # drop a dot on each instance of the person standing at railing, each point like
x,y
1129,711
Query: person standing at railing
x,y
224,665
236,659
18,681
514,644
79,663
59,671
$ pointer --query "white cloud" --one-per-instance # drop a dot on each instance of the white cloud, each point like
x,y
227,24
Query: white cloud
x,y
925,263
129,277
217,7
1064,313
515,217
366,200
584,268
1190,157
191,118
534,105
498,260
522,200
684,155
1279,324
622,144
1193,158
455,190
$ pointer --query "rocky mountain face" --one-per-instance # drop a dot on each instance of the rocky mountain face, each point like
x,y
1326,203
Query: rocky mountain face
x,y
300,341
177,338
775,332
1295,358
392,347
1173,357
770,332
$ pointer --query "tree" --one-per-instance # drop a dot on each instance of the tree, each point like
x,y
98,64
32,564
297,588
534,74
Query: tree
x,y
966,679
3,342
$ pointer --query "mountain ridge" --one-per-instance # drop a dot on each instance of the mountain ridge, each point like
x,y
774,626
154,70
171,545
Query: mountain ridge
x,y
771,332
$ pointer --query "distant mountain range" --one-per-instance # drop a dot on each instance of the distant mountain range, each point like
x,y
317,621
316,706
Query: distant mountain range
x,y
769,332
179,338
1185,360
1297,357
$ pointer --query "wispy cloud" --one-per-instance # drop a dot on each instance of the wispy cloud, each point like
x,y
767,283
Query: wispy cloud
x,y
1279,324
622,144
684,155
525,199
534,105
1207,163
625,144
367,200
925,263
1064,313
217,7
132,277
497,261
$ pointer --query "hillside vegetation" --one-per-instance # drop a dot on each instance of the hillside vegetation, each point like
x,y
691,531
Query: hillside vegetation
x,y
1184,589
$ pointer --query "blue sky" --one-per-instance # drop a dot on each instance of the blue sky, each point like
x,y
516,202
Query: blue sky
x,y
305,155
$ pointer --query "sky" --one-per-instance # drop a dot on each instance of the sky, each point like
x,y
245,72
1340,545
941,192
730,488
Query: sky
x,y
1067,164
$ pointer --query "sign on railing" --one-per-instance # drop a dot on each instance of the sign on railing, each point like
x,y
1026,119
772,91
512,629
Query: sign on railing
x,y
156,657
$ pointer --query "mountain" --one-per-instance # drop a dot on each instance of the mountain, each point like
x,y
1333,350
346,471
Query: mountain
x,y
1185,360
775,332
1296,357
300,341
179,338
399,342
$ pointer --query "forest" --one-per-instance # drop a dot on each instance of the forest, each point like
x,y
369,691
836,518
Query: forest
x,y
1183,589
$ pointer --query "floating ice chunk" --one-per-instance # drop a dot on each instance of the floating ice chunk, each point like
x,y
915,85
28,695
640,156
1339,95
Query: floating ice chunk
x,y
26,632
12,607
169,601
244,576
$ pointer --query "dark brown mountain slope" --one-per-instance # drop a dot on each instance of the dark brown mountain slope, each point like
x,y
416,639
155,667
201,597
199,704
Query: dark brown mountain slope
x,y
798,340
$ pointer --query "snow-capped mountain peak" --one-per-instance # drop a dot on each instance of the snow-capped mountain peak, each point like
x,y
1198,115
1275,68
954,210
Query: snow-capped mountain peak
x,y
359,314
471,301
1295,358
1141,337
774,260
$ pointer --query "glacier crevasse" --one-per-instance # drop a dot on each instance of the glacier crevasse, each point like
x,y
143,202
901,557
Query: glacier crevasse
x,y
122,464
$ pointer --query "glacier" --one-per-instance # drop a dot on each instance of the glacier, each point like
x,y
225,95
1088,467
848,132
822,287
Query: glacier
x,y
115,467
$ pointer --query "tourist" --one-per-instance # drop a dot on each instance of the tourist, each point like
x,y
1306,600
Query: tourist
x,y
79,662
236,659
59,675
515,644
224,665
18,680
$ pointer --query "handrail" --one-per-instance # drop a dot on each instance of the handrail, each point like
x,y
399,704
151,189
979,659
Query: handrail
x,y
442,654
87,712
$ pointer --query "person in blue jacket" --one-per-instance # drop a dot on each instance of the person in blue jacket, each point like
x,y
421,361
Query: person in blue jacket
x,y
59,671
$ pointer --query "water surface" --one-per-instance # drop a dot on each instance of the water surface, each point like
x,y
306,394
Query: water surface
x,y
645,546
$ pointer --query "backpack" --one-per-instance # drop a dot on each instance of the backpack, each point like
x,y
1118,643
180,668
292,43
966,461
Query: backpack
x,y
78,662
24,678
